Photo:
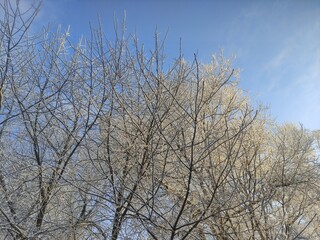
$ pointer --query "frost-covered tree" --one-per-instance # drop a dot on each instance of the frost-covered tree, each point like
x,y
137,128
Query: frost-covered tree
x,y
106,140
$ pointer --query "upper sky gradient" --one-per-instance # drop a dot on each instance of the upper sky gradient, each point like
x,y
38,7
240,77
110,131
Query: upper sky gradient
x,y
276,44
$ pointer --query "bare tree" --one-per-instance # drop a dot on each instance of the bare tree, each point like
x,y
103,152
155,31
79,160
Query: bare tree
x,y
51,103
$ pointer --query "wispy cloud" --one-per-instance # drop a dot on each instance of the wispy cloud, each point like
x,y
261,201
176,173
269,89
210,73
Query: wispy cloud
x,y
279,60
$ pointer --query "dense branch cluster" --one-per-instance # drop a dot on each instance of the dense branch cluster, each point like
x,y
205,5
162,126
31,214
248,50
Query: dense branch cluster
x,y
104,140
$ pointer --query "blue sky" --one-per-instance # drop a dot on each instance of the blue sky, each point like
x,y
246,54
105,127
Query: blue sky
x,y
276,43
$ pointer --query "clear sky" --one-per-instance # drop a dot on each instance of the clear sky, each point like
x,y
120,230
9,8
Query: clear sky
x,y
276,43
